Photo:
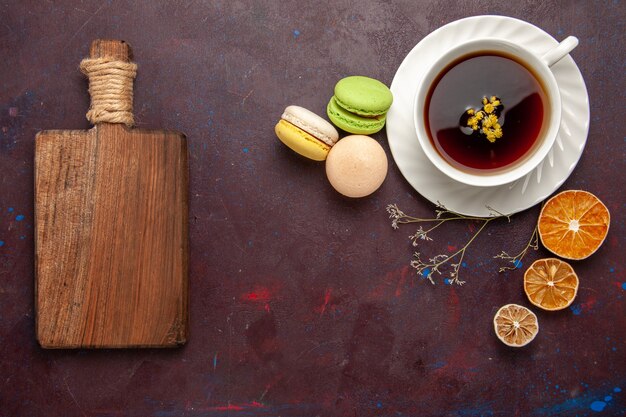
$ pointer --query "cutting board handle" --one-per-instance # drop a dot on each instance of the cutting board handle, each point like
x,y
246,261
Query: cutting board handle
x,y
111,74
109,48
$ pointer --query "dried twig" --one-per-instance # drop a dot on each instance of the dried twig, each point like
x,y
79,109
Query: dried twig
x,y
434,265
533,243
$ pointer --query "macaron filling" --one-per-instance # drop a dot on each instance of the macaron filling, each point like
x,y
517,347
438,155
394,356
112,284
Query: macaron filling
x,y
309,128
303,133
351,122
311,123
360,111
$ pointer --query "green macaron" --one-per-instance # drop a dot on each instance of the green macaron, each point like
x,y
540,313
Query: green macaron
x,y
351,122
363,96
360,105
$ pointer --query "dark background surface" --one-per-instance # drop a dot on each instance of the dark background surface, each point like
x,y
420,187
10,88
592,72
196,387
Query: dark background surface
x,y
302,301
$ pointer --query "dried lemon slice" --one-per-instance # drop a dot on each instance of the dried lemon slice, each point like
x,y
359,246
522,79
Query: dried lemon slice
x,y
573,224
551,284
515,325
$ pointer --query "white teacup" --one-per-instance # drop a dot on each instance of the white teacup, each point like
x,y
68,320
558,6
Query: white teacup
x,y
539,65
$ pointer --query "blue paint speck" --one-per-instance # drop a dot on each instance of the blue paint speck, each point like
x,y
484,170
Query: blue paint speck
x,y
624,285
518,264
19,217
557,409
556,386
10,209
379,404
608,398
425,272
22,237
1,242
611,269
446,281
597,405
464,265
614,349
617,389
296,33
576,309
246,150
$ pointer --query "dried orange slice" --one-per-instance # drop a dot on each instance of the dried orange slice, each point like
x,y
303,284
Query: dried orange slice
x,y
515,325
573,224
551,284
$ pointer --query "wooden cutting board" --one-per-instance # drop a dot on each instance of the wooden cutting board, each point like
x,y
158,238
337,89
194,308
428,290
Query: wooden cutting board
x,y
111,234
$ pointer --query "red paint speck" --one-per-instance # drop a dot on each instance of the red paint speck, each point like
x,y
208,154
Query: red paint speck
x,y
403,275
455,317
451,248
261,297
260,294
393,284
588,305
326,300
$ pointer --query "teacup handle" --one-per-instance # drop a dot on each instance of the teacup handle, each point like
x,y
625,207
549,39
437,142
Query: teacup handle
x,y
555,54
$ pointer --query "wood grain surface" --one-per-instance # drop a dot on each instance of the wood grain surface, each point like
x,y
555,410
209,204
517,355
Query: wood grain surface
x,y
111,234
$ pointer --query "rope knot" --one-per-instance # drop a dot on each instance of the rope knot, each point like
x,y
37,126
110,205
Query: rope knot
x,y
111,90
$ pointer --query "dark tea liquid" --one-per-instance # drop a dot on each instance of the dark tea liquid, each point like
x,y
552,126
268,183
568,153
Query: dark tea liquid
x,y
461,86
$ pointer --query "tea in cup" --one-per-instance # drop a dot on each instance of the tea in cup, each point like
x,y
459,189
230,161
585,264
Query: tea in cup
x,y
488,111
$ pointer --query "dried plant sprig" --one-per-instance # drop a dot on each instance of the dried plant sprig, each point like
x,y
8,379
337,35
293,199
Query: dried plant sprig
x,y
443,215
428,268
435,264
533,243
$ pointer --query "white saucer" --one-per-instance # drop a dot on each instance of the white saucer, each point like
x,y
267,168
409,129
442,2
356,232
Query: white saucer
x,y
509,198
